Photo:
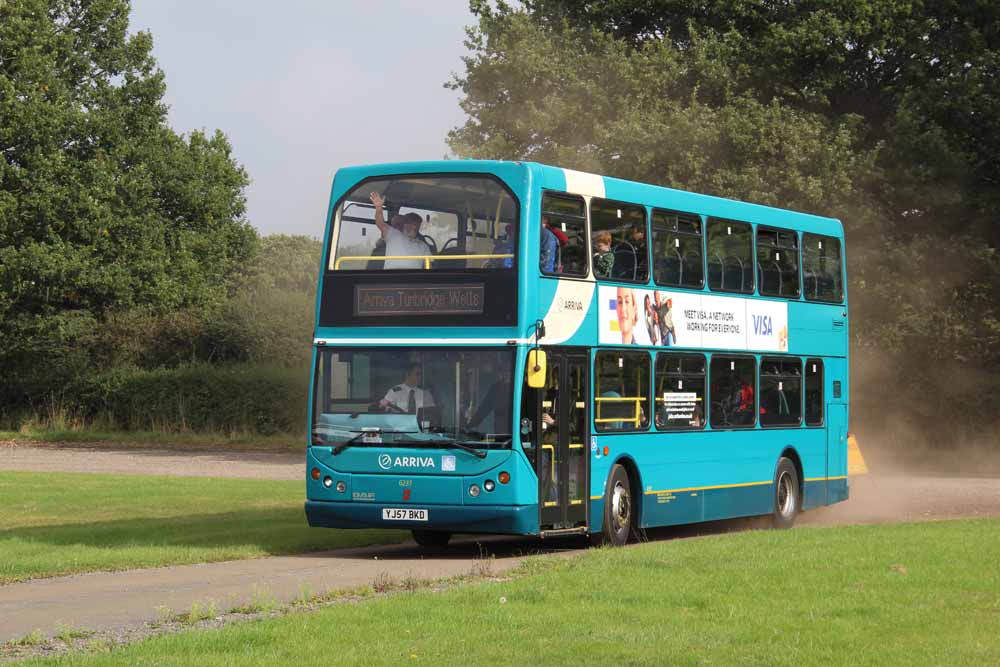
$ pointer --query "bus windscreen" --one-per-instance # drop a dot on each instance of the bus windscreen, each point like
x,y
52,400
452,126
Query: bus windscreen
x,y
406,397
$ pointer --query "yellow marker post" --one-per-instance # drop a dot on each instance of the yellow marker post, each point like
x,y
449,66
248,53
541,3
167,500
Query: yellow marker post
x,y
855,462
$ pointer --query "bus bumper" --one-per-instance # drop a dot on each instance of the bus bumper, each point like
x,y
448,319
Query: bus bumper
x,y
505,519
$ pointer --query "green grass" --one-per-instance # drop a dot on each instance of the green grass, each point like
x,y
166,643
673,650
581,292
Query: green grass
x,y
188,440
63,523
891,594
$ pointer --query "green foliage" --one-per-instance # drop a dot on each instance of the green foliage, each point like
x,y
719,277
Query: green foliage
x,y
884,115
104,208
199,397
111,224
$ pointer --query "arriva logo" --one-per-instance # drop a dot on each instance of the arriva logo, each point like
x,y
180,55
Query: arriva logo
x,y
386,462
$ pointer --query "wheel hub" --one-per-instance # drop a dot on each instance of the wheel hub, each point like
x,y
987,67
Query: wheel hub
x,y
786,495
621,506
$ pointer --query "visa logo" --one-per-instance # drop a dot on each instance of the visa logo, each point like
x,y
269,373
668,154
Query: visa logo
x,y
762,325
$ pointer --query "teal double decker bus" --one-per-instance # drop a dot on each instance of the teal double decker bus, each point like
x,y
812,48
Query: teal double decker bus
x,y
507,347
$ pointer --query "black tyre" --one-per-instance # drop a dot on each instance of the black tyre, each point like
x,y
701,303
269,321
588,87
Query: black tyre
x,y
619,510
432,539
787,494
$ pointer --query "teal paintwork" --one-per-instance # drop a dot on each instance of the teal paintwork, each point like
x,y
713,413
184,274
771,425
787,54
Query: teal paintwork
x,y
681,477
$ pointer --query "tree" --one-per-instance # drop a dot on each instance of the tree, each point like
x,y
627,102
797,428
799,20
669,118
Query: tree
x,y
103,208
882,114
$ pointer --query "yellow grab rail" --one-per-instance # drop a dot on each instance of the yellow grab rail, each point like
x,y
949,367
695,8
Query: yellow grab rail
x,y
635,400
426,259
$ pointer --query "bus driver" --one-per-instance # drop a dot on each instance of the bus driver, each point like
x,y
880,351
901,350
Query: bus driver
x,y
408,396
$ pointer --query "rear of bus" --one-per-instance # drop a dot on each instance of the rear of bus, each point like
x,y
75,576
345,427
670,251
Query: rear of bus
x,y
415,353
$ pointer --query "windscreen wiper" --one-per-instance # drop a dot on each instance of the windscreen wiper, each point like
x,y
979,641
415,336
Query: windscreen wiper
x,y
353,439
456,445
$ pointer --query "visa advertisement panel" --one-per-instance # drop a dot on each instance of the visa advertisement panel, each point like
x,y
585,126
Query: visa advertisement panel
x,y
631,315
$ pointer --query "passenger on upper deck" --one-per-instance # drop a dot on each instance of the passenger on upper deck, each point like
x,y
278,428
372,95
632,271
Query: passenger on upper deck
x,y
552,239
400,243
604,259
637,237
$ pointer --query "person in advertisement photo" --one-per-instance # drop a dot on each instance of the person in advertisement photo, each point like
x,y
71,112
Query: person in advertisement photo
x,y
628,316
652,321
664,305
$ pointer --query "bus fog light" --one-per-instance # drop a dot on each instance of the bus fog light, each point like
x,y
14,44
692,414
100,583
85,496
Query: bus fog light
x,y
327,482
474,490
489,485
504,477
341,487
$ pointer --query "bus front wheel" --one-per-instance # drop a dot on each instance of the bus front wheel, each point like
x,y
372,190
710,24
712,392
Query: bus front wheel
x,y
432,539
787,496
619,510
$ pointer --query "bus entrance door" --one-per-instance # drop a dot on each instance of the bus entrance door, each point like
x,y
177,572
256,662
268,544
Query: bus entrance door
x,y
562,461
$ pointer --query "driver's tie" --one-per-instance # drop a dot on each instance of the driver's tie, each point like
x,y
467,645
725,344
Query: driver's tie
x,y
411,402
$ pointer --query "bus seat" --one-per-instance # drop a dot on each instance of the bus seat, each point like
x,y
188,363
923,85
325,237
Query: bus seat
x,y
626,261
451,263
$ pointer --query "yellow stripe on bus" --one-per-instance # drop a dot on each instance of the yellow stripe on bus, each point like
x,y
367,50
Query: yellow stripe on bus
x,y
707,488
727,486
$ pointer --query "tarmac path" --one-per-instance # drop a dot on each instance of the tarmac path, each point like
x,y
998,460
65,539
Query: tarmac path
x,y
118,600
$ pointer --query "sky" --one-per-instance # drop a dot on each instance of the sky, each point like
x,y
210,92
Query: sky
x,y
303,87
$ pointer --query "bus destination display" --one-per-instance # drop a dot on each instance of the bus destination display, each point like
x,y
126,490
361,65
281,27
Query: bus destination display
x,y
385,300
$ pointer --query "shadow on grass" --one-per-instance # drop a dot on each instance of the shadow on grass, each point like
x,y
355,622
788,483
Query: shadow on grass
x,y
51,550
148,542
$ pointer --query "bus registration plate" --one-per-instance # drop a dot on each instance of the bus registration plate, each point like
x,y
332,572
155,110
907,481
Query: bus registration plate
x,y
403,514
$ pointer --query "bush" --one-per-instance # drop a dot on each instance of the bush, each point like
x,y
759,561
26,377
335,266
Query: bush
x,y
243,398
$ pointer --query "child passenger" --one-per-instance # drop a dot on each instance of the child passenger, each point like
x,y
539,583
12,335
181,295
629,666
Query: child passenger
x,y
604,259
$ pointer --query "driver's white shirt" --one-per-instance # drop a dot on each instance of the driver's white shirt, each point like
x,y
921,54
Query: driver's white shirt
x,y
400,396
399,244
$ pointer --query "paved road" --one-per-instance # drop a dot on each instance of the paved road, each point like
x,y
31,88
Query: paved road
x,y
58,457
107,601
113,601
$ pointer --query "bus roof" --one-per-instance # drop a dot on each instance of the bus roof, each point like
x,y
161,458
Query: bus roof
x,y
608,187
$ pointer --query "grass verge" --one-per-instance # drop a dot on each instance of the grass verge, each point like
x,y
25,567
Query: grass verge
x,y
889,594
64,523
182,441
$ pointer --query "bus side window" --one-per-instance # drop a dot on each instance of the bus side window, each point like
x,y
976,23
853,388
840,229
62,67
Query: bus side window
x,y
733,387
777,262
780,391
730,256
563,232
680,391
814,392
621,391
677,254
627,258
822,268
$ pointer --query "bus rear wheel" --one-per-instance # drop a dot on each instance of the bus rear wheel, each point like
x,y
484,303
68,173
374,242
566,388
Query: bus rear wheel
x,y
431,539
787,496
619,510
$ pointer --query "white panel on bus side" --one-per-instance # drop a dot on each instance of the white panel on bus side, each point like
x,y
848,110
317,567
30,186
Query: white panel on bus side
x,y
582,183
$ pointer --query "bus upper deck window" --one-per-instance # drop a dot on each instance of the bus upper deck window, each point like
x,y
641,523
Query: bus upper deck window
x,y
426,223
822,268
729,256
620,229
563,236
777,262
677,249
